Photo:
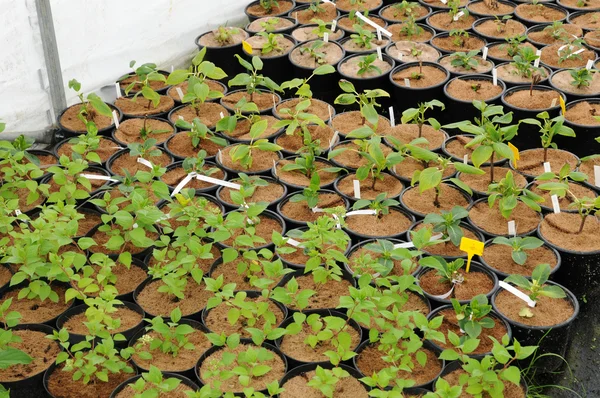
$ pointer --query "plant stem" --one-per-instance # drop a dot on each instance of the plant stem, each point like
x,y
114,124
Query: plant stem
x,y
420,129
545,154
582,223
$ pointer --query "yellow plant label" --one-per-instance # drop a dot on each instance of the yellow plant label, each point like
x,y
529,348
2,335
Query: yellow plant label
x,y
515,152
471,247
181,199
562,104
247,46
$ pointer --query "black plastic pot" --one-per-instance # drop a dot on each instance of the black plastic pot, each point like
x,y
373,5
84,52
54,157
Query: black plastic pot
x,y
33,386
555,338
508,3
456,158
585,143
455,106
301,266
406,97
369,241
106,131
206,190
224,56
528,136
371,83
172,92
272,204
488,37
441,29
419,215
303,369
287,30
116,155
268,214
235,172
160,119
275,67
293,187
262,111
478,236
292,223
358,237
253,17
571,96
475,267
529,22
184,381
392,21
488,234
194,316
456,73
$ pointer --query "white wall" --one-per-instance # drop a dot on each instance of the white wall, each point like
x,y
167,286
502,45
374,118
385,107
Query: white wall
x,y
96,40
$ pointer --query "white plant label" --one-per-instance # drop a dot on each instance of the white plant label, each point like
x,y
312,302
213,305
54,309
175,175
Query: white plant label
x,y
538,54
485,52
379,35
407,82
333,139
379,55
547,167
512,229
392,117
457,16
517,293
445,296
326,37
145,162
555,205
495,76
579,51
118,89
181,117
597,176
373,24
216,181
444,1
221,114
293,242
362,213
98,177
408,245
115,118
317,210
553,104
18,212
179,93
220,156
337,219
329,110
333,25
400,56
183,183
589,65
356,185
466,159
274,167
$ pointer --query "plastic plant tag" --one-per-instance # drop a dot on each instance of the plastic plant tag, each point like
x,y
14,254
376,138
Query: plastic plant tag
x,y
547,167
221,115
118,90
555,205
445,296
317,210
379,55
553,104
408,245
373,24
145,162
329,110
495,76
515,152
400,56
183,183
97,177
471,247
220,156
172,68
274,167
392,118
579,51
536,63
181,117
293,242
485,52
407,82
561,101
18,212
589,65
247,47
444,1
333,25
378,35
517,293
337,219
115,118
466,159
457,16
362,213
512,229
597,176
356,185
333,139
326,37
179,93
216,181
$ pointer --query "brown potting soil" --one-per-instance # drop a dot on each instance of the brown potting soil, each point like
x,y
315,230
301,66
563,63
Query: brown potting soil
x,y
550,56
209,39
35,344
563,79
408,166
203,263
540,100
293,143
562,230
279,8
473,89
589,20
592,38
587,167
101,238
174,176
161,304
510,390
5,275
509,73
154,84
351,67
89,221
263,229
481,67
181,145
129,131
588,4
294,346
397,269
297,178
499,257
475,283
445,21
261,160
544,36
280,24
317,107
269,193
370,361
70,120
213,362
307,33
429,76
185,359
482,8
94,184
547,311
346,122
500,30
439,4
450,323
422,36
326,296
178,392
62,385
209,113
35,310
351,5
405,47
539,13
490,220
393,14
409,132
216,320
447,248
468,44
391,224
328,13
129,319
258,43
332,53
351,158
583,113
457,147
231,275
390,185
140,106
481,182
565,202
348,23
297,386
127,162
127,278
212,85
350,45
500,50
423,202
300,211
106,148
531,161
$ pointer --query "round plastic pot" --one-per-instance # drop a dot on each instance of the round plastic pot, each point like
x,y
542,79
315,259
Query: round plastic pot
x,y
175,95
106,131
66,140
550,339
262,112
456,158
160,119
510,84
177,158
441,29
455,365
529,22
585,144
206,190
303,369
277,68
488,234
529,136
235,172
116,155
32,386
436,301
418,215
160,115
358,237
301,266
571,96
287,30
193,316
292,223
537,28
293,362
253,17
224,56
357,246
139,255
406,97
184,381
393,21
190,372
352,198
266,213
303,7
478,236
293,187
465,108
454,74
447,34
508,3
492,314
371,83
272,205
159,91
488,37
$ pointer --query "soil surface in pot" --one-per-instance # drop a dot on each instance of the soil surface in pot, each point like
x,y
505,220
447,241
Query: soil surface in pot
x,y
390,185
403,50
563,79
420,35
447,249
127,278
269,193
210,39
348,23
297,178
129,319
263,229
473,89
263,100
284,46
70,120
307,33
319,108
391,224
510,390
562,230
583,113
420,77
297,386
294,142
209,113
278,24
474,283
351,158
370,361
500,30
509,73
161,304
327,12
447,43
35,310
408,132
174,176
105,149
94,184
408,166
347,122
501,50
140,106
424,202
126,162
490,220
396,14
332,53
578,190
231,275
592,38
539,13
480,182
85,225
490,8
280,7
445,21
216,319
203,263
261,160
129,130
326,296
351,46
181,145
35,344
154,84
396,270
61,384
499,257
532,161
5,275
300,211
481,67
587,167
545,36
350,5
178,392
351,67
588,4
439,4
540,100
456,147
212,85
550,56
547,311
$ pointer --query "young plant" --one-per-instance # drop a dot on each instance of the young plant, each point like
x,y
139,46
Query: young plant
x,y
381,263
315,7
367,101
171,336
85,145
224,35
448,223
581,77
322,28
252,80
242,153
270,25
405,9
459,36
363,37
417,115
508,195
154,384
313,50
449,272
464,60
91,106
303,88
366,65
523,62
513,44
143,76
10,356
268,5
519,246
585,207
570,51
550,128
376,161
197,131
556,30
271,42
325,380
473,317
501,22
455,9
410,28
